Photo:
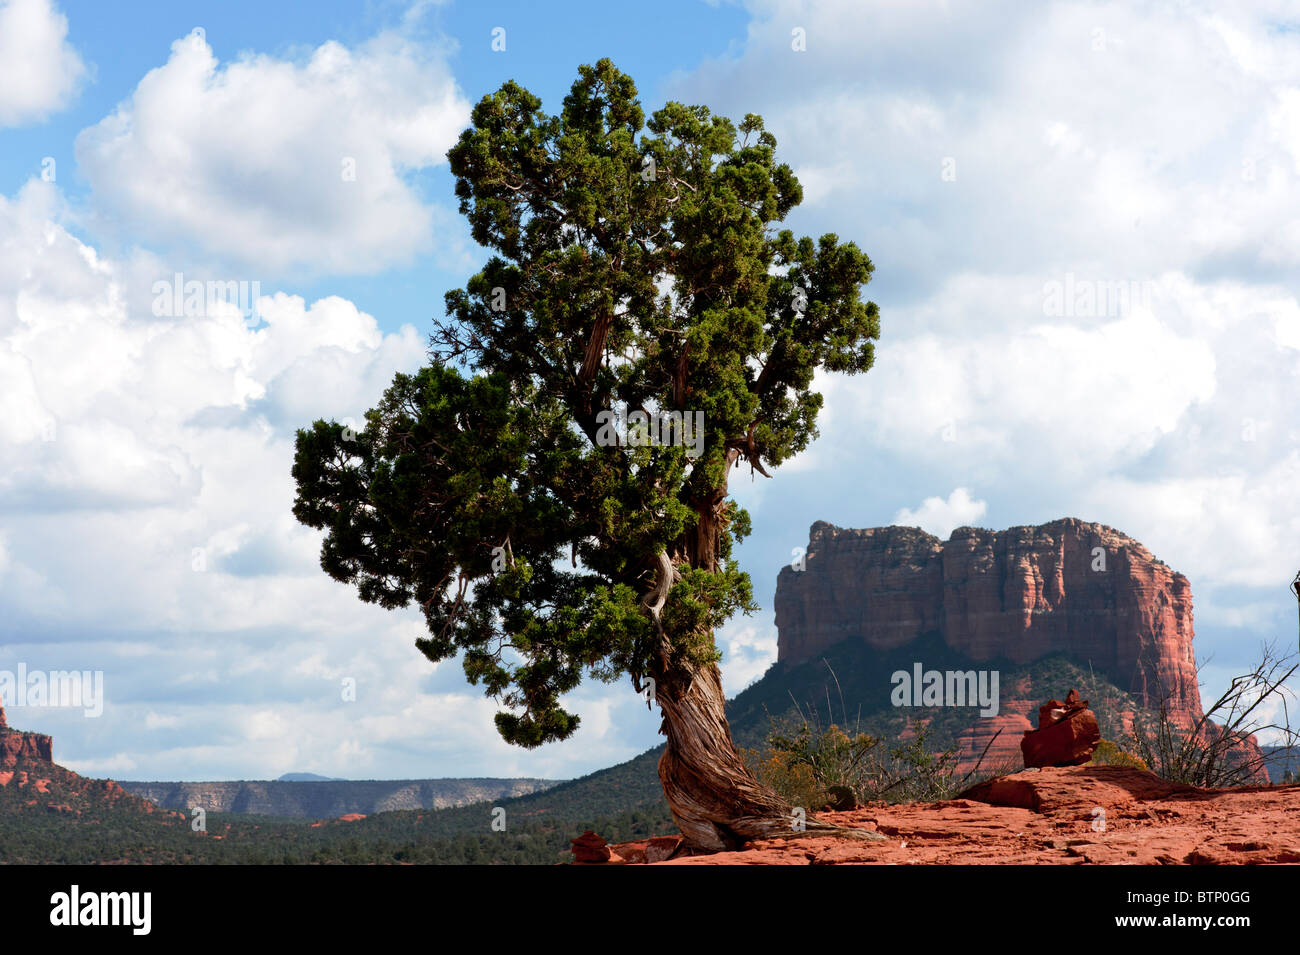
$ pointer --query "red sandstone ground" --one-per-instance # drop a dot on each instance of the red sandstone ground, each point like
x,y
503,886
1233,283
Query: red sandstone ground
x,y
1046,817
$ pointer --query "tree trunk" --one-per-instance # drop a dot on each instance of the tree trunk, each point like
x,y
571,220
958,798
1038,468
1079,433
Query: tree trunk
x,y
715,799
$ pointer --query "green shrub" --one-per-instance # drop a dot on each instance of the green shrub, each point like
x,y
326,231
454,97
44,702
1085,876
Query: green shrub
x,y
807,763
1109,753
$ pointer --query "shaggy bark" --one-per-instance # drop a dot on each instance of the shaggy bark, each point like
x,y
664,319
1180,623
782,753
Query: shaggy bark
x,y
716,801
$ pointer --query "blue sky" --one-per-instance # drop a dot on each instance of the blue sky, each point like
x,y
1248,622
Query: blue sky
x,y
120,47
982,155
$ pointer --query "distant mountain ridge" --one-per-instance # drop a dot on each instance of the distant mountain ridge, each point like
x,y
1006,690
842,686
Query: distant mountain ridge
x,y
325,799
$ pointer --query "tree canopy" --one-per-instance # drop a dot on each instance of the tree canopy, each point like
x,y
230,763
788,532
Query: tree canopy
x,y
521,489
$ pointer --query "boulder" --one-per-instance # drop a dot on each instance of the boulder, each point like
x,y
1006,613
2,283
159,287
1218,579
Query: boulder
x,y
590,848
1067,734
840,799
646,851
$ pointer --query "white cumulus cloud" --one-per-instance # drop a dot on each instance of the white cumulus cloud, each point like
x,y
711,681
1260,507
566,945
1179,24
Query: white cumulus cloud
x,y
277,164
940,517
39,70
146,530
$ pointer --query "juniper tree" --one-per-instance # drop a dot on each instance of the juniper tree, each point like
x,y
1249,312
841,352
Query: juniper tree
x,y
520,488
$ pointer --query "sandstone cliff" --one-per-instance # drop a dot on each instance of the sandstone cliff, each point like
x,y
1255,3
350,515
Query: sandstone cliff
x,y
1071,587
15,745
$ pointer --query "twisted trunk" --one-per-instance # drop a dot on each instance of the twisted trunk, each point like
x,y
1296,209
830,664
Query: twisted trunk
x,y
716,801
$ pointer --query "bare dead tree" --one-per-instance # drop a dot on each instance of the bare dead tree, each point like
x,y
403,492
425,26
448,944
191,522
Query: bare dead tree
x,y
1219,749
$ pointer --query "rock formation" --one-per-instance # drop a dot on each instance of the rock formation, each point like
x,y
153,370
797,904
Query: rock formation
x,y
1106,815
1067,734
15,745
1071,587
590,848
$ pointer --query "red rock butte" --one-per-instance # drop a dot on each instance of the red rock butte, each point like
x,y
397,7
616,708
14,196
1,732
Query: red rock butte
x,y
15,745
1084,590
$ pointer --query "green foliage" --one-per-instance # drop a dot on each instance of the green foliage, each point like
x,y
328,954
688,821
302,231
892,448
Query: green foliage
x,y
635,269
859,691
803,762
1109,753
621,803
916,772
806,763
